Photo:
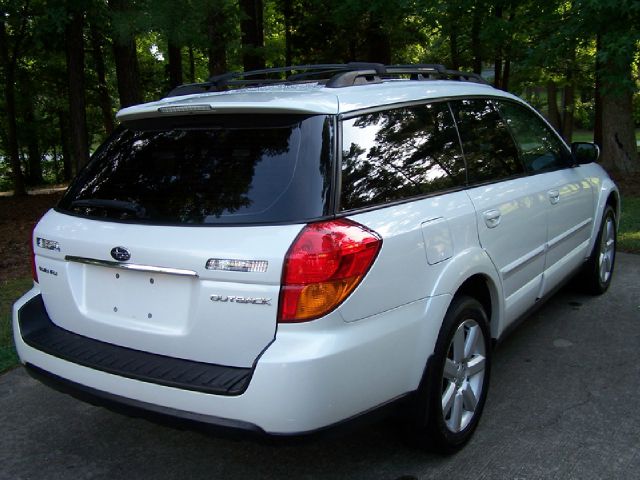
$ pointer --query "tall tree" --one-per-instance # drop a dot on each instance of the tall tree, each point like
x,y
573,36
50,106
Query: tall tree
x,y
125,54
9,59
597,94
377,39
97,42
74,40
476,46
175,64
34,176
252,33
287,12
216,39
618,23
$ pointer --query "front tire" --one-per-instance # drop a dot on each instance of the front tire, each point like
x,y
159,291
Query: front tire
x,y
454,390
598,270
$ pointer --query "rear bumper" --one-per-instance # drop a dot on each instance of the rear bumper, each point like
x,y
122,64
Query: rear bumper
x,y
313,375
39,332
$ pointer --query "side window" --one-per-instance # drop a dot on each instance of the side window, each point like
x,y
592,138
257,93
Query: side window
x,y
539,147
486,142
399,153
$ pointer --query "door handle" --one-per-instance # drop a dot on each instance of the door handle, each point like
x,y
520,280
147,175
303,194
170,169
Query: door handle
x,y
554,196
492,218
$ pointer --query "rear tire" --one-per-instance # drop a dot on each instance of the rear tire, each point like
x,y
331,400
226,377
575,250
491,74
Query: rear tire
x,y
454,389
596,276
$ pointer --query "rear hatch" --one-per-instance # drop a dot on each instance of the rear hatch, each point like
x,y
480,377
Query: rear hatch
x,y
172,240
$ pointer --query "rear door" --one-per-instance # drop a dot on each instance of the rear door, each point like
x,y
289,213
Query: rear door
x,y
511,214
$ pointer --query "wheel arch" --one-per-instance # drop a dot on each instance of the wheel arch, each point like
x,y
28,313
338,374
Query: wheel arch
x,y
472,273
607,195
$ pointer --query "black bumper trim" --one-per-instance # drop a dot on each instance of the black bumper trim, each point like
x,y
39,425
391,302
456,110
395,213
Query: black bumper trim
x,y
39,332
139,409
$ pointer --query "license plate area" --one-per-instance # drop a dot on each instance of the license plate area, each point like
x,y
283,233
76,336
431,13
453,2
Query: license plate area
x,y
154,301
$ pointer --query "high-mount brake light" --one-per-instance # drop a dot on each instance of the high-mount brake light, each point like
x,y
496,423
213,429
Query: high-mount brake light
x,y
323,266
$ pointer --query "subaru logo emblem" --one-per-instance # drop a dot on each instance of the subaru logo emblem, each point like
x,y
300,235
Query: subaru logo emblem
x,y
120,253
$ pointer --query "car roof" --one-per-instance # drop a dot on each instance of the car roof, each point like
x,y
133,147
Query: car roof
x,y
310,98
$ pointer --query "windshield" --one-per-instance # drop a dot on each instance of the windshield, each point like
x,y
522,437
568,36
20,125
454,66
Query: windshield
x,y
209,170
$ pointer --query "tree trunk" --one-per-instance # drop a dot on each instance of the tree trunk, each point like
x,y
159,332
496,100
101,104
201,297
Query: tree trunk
x,y
619,150
12,148
75,74
568,107
453,44
56,165
64,144
476,46
597,114
287,12
126,60
506,72
377,40
217,41
33,146
497,68
103,92
252,32
553,115
175,65
192,66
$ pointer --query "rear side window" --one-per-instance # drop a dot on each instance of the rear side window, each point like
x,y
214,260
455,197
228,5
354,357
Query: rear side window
x,y
486,142
540,148
399,153
209,170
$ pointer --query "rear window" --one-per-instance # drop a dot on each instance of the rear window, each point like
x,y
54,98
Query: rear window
x,y
209,170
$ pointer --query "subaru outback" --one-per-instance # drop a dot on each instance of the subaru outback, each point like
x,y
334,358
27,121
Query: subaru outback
x,y
286,250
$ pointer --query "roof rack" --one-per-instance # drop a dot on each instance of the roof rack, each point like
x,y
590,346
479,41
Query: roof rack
x,y
332,75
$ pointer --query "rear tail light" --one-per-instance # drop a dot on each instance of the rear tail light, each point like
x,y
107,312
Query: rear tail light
x,y
34,271
323,266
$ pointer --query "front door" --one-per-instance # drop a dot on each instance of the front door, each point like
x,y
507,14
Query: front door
x,y
510,212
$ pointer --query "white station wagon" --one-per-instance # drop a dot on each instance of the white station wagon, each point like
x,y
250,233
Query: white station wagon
x,y
282,255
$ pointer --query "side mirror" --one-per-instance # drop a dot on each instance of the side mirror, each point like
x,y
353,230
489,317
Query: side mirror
x,y
585,152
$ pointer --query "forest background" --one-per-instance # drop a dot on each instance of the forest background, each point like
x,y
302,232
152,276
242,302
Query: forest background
x,y
66,67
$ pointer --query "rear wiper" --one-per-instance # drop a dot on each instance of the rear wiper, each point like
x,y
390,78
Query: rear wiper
x,y
121,205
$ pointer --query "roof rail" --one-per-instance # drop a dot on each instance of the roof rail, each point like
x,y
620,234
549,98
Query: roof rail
x,y
333,75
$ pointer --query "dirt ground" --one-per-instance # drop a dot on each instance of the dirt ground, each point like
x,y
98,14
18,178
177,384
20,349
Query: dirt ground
x,y
18,216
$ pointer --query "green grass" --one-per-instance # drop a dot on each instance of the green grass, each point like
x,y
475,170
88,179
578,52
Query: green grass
x,y
582,136
629,234
587,136
10,291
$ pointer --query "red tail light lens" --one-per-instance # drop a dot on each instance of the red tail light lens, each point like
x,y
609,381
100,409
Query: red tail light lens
x,y
34,270
323,266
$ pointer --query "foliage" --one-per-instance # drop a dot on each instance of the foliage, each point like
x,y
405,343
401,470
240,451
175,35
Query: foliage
x,y
629,234
10,290
533,43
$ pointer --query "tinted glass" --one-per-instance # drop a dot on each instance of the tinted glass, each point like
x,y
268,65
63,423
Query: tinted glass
x,y
540,148
399,153
222,169
487,144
